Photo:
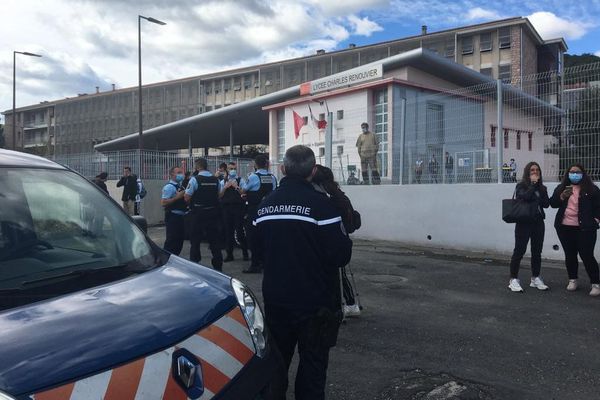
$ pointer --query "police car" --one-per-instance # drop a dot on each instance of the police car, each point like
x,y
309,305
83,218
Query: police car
x,y
90,308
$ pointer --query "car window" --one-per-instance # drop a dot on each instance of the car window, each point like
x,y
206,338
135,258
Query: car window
x,y
55,223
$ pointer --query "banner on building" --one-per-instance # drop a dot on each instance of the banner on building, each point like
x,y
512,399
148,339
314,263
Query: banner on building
x,y
343,79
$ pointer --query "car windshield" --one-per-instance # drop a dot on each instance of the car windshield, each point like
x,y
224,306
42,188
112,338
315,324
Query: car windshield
x,y
56,226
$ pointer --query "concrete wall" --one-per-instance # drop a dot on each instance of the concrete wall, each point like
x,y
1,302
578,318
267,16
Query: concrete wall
x,y
151,208
459,216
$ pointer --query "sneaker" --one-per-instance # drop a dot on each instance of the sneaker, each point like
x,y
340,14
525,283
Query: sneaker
x,y
572,286
595,290
351,311
515,285
538,283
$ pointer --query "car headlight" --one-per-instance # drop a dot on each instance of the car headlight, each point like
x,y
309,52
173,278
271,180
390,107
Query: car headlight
x,y
253,315
4,396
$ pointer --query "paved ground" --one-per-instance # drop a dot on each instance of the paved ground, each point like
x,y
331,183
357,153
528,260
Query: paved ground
x,y
442,325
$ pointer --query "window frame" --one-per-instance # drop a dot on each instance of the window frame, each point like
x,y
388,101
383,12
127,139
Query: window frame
x,y
465,50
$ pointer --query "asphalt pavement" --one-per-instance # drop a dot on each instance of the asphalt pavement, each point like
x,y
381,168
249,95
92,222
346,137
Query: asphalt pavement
x,y
441,324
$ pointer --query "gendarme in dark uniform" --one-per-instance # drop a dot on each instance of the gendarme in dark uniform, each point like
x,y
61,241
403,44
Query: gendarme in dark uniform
x,y
304,244
233,213
256,188
172,199
202,195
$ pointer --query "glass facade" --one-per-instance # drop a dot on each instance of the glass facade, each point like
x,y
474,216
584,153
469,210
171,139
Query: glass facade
x,y
380,104
280,134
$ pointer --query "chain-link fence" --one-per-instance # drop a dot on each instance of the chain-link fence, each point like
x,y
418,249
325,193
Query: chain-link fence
x,y
154,164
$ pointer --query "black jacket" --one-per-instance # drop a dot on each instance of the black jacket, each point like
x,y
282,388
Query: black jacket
x,y
589,208
101,184
304,244
536,194
130,187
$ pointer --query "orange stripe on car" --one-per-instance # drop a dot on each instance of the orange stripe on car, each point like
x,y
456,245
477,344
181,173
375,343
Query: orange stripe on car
x,y
236,314
124,381
60,393
214,380
227,342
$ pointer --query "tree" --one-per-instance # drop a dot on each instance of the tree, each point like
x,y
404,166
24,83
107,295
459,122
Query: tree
x,y
252,150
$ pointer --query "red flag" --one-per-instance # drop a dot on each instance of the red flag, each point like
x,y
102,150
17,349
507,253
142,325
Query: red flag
x,y
298,124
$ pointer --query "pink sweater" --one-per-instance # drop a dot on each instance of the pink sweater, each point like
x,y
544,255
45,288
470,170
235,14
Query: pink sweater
x,y
571,217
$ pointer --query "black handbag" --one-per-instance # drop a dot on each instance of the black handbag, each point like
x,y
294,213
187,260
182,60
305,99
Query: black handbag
x,y
518,211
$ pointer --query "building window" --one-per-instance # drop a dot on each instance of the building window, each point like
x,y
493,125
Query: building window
x,y
340,150
518,140
504,73
227,84
380,103
280,134
237,83
493,137
530,140
485,42
321,151
504,38
322,117
340,114
467,45
486,71
305,119
506,138
247,82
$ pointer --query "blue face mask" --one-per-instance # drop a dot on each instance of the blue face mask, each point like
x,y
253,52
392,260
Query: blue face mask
x,y
232,174
179,177
575,177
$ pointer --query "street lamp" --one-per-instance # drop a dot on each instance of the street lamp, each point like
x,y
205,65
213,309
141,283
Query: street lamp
x,y
155,21
14,115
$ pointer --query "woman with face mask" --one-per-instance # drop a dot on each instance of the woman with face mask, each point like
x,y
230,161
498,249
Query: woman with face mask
x,y
531,190
578,203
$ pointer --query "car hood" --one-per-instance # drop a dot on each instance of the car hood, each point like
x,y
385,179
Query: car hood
x,y
66,338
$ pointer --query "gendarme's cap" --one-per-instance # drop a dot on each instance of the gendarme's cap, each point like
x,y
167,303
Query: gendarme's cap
x,y
103,175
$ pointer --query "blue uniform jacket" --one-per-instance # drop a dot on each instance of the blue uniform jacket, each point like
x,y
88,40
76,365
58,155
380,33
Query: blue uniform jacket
x,y
304,244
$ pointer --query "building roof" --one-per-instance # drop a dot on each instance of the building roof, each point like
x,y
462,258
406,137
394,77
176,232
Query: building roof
x,y
250,121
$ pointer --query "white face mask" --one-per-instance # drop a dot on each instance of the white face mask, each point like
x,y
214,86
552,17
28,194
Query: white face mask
x,y
365,130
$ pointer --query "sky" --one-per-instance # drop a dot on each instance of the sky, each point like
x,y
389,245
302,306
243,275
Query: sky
x,y
89,43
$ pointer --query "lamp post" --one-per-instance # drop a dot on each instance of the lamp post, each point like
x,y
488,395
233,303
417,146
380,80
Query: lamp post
x,y
14,115
155,21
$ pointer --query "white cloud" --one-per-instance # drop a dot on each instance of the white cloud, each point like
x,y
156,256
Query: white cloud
x,y
479,13
597,54
363,26
551,26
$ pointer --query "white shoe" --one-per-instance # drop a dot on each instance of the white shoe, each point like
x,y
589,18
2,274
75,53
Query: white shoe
x,y
572,286
595,290
352,311
538,283
515,285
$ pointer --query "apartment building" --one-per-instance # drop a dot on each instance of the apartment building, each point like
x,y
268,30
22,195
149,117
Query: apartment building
x,y
508,49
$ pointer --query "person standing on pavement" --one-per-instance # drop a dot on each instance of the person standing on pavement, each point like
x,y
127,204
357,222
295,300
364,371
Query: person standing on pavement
x,y
449,167
258,185
368,146
173,202
233,213
324,182
202,195
576,223
100,181
531,190
130,190
304,243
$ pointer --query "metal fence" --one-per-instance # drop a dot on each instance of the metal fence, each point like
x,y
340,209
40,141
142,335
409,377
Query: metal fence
x,y
154,164
484,133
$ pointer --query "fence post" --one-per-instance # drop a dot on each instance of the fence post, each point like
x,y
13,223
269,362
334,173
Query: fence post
x,y
329,141
500,129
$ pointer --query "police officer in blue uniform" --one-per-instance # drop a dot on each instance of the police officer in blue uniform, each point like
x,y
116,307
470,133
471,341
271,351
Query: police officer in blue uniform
x,y
305,244
256,188
233,212
173,201
202,195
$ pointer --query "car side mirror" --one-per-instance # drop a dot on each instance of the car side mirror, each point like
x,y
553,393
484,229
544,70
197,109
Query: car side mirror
x,y
141,222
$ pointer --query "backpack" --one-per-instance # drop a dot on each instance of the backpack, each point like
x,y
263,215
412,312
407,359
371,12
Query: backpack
x,y
141,189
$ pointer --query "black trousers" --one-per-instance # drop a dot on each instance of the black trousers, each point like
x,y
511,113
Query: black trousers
x,y
347,289
175,234
575,241
523,233
233,220
252,239
205,225
314,335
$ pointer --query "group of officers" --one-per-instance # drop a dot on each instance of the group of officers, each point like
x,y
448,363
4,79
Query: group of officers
x,y
216,208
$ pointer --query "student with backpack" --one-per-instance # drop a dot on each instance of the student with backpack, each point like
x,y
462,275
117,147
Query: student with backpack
x,y
324,182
